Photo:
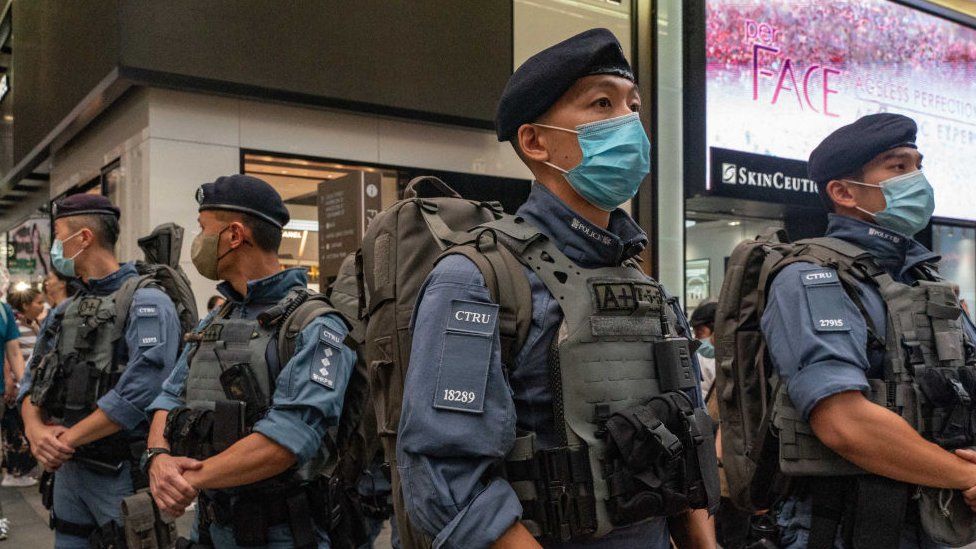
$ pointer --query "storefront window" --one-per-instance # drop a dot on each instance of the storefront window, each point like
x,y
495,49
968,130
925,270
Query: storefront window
x,y
709,241
112,176
957,246
28,251
300,182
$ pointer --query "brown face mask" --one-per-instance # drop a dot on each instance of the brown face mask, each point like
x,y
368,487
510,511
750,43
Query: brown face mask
x,y
203,253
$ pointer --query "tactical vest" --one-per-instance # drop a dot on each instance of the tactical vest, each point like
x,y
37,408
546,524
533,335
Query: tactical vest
x,y
929,362
86,360
233,370
616,350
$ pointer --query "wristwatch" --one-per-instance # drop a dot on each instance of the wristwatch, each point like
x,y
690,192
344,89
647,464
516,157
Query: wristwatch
x,y
148,456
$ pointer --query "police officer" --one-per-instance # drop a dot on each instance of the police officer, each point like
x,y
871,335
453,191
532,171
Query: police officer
x,y
94,373
836,357
570,112
235,422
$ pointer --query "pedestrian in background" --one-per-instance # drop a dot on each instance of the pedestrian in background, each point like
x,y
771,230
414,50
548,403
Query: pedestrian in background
x,y
29,307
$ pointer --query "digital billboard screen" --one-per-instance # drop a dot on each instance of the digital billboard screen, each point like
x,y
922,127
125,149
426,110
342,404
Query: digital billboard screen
x,y
782,74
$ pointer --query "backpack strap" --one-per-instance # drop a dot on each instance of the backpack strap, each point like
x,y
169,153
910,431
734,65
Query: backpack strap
x,y
507,285
299,309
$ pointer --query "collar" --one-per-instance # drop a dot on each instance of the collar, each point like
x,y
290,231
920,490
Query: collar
x,y
583,242
109,283
270,289
894,251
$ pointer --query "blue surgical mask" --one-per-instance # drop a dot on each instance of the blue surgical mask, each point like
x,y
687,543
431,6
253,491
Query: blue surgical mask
x,y
63,265
706,350
616,158
909,200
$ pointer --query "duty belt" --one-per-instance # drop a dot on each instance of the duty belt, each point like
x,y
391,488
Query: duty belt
x,y
252,513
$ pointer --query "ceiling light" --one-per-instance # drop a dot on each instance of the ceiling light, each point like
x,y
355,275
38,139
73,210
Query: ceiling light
x,y
734,223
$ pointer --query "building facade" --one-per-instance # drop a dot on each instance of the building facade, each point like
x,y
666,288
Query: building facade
x,y
143,101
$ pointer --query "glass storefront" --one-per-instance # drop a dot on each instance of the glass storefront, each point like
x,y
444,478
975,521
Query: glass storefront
x,y
299,182
312,192
957,246
709,241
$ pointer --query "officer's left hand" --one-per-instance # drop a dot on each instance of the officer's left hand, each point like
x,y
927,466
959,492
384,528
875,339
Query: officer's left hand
x,y
46,446
173,494
970,494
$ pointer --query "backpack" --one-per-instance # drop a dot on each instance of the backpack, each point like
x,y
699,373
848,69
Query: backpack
x,y
350,443
743,372
161,269
400,248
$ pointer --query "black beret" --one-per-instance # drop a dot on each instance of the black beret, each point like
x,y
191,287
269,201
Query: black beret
x,y
704,314
245,194
546,76
84,204
849,148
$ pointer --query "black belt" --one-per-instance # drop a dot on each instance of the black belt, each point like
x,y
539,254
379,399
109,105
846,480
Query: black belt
x,y
69,528
252,513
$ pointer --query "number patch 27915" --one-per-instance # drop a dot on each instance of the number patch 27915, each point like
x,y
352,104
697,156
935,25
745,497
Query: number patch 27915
x,y
832,323
465,397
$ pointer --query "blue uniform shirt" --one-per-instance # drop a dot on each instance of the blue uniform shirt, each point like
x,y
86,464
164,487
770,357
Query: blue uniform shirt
x,y
302,408
446,457
819,345
150,347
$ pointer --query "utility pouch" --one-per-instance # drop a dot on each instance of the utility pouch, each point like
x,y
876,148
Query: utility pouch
x,y
947,404
228,424
346,522
79,392
660,460
239,384
673,359
189,432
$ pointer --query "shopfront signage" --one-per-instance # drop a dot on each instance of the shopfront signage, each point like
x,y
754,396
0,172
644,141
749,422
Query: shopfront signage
x,y
781,76
759,177
346,206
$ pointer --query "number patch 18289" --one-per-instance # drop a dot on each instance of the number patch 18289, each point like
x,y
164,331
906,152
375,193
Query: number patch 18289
x,y
466,397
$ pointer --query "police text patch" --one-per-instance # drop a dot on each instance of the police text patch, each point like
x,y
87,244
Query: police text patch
x,y
149,329
825,299
323,360
331,337
473,316
462,374
625,296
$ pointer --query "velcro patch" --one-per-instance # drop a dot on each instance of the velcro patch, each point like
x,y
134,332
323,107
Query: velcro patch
x,y
462,375
331,338
149,328
89,306
323,369
815,277
825,299
625,296
473,317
